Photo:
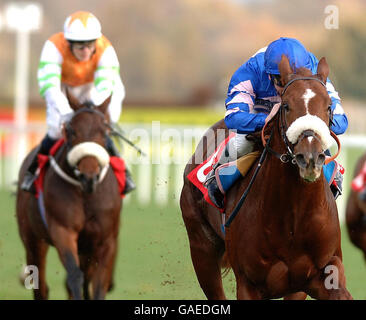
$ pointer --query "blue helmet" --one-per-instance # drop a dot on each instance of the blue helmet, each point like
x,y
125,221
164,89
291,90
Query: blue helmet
x,y
297,54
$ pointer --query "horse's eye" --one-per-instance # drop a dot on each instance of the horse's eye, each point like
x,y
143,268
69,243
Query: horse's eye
x,y
286,107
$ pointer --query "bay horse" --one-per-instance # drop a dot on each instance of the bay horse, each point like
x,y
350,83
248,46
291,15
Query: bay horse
x,y
82,219
286,236
356,211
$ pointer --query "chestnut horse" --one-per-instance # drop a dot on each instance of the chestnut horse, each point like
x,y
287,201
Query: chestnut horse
x,y
81,218
285,240
356,212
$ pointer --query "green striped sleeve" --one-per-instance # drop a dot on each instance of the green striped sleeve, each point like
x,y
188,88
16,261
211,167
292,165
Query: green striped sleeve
x,y
99,80
48,76
116,68
103,89
45,88
44,63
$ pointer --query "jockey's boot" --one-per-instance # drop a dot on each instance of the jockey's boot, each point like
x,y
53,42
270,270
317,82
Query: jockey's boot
x,y
213,189
336,183
112,150
362,197
336,186
219,181
130,185
30,176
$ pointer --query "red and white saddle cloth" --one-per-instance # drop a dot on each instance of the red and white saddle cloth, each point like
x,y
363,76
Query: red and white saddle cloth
x,y
359,182
117,164
198,175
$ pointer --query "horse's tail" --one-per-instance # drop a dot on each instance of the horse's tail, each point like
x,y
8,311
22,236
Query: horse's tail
x,y
225,264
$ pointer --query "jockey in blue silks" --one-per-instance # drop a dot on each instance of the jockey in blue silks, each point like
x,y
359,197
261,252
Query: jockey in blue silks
x,y
252,92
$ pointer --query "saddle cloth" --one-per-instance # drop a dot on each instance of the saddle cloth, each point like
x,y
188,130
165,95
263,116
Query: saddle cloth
x,y
198,175
359,182
116,163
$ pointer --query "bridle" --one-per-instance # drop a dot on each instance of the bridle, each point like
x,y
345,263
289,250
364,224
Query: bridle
x,y
285,157
68,146
68,127
301,78
289,154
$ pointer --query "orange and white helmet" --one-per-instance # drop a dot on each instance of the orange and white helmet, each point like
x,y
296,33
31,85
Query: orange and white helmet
x,y
82,26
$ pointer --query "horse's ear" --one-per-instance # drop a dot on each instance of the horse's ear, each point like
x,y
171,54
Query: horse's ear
x,y
323,69
74,103
285,69
104,106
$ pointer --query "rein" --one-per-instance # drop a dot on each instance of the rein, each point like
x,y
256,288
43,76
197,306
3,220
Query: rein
x,y
246,192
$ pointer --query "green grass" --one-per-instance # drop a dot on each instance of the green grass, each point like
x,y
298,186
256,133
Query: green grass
x,y
153,260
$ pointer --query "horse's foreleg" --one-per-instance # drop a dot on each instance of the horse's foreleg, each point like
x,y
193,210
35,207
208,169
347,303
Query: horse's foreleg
x,y
65,241
330,284
105,256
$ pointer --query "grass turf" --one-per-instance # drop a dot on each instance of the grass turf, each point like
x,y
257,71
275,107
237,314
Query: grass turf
x,y
153,260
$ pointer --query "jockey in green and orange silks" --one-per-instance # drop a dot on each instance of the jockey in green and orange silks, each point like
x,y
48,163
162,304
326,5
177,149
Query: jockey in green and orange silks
x,y
83,61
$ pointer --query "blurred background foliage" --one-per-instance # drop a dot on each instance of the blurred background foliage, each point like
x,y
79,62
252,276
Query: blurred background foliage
x,y
183,52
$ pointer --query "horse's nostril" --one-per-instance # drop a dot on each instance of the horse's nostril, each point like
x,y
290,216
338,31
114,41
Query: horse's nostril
x,y
320,160
300,160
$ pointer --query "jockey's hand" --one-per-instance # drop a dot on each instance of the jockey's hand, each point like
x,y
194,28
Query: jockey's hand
x,y
273,112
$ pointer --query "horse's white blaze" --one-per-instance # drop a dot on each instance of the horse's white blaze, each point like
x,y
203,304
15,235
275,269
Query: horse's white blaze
x,y
310,139
84,149
310,122
307,96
